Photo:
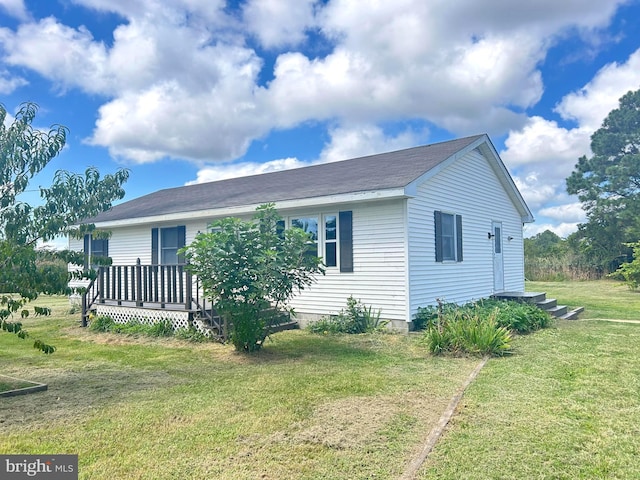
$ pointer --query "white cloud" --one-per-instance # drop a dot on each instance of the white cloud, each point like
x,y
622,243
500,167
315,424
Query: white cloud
x,y
563,230
180,78
235,170
15,8
346,142
592,103
544,147
279,23
69,57
359,140
168,120
535,191
567,213
9,83
543,153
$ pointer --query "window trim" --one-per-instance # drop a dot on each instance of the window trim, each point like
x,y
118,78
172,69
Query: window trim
x,y
457,237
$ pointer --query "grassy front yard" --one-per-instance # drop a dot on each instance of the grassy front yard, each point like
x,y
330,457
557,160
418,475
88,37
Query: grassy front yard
x,y
308,407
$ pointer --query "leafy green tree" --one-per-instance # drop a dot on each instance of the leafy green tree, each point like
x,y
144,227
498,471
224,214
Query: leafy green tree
x,y
250,270
25,272
608,185
630,271
544,244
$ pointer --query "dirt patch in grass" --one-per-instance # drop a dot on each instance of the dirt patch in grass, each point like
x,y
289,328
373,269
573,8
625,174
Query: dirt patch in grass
x,y
72,394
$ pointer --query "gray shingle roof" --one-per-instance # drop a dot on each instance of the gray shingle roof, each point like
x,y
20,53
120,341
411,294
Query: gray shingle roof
x,y
375,172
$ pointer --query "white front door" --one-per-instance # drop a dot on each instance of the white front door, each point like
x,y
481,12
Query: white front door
x,y
498,263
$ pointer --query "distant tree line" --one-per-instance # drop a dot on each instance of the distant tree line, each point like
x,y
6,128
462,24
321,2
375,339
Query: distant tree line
x,y
549,257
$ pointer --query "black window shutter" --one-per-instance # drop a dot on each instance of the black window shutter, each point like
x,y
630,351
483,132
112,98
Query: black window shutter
x,y
154,246
346,240
87,244
459,237
182,240
437,216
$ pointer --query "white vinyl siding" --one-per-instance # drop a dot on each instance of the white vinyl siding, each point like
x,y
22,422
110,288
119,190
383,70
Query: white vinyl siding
x,y
379,257
469,187
379,265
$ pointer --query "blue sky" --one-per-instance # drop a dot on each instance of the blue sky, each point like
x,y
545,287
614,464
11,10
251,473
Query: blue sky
x,y
184,91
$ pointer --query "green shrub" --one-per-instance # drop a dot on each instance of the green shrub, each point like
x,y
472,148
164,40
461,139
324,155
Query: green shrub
x,y
101,323
630,271
332,324
428,316
483,327
521,317
357,318
250,325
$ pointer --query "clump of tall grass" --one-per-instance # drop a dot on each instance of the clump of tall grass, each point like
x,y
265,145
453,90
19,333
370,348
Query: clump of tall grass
x,y
469,333
162,328
485,327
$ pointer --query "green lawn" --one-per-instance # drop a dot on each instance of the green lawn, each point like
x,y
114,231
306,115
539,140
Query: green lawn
x,y
306,407
566,406
603,299
309,407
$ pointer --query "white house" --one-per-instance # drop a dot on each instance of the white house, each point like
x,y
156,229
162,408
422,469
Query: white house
x,y
396,230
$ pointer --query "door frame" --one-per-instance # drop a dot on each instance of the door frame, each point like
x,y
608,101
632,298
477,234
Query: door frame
x,y
497,250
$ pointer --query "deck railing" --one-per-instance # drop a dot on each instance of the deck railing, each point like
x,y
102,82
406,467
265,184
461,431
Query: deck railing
x,y
152,286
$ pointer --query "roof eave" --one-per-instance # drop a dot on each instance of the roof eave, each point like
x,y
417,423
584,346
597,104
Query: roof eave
x,y
240,210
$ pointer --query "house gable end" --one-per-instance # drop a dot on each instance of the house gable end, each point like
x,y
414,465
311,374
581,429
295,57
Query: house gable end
x,y
485,147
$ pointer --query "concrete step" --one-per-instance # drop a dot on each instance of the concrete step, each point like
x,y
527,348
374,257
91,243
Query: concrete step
x,y
558,310
547,304
529,297
573,314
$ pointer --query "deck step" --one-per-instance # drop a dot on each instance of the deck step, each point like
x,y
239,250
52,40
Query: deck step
x,y
292,325
573,314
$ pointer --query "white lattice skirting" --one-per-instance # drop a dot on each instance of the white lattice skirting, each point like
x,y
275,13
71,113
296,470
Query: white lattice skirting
x,y
179,319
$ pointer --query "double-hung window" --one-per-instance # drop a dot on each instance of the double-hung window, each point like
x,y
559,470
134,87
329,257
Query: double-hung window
x,y
93,248
448,234
330,241
165,243
310,226
330,238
